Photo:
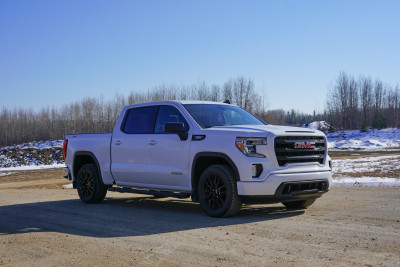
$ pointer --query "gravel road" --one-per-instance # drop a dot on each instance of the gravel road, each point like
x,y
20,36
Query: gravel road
x,y
347,226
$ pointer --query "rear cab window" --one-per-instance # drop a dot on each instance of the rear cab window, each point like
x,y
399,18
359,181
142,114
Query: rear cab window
x,y
139,120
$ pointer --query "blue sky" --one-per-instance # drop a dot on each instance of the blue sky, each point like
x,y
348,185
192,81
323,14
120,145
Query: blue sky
x,y
56,52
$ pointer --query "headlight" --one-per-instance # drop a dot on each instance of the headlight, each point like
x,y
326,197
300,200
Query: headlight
x,y
249,145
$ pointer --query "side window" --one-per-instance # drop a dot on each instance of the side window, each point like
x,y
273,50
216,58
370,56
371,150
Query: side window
x,y
168,114
139,120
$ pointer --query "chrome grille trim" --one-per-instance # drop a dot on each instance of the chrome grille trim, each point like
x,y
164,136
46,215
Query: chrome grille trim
x,y
286,152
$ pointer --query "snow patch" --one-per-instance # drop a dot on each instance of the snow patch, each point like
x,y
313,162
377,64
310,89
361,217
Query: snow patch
x,y
6,173
366,181
68,186
384,164
33,167
375,171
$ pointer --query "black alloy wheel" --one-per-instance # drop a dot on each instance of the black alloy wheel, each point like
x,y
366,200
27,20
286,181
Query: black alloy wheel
x,y
217,192
86,183
214,191
90,186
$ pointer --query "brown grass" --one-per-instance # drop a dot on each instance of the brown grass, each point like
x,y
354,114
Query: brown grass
x,y
38,179
355,154
376,173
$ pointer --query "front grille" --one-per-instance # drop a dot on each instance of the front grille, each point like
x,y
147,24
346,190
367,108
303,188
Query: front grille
x,y
299,149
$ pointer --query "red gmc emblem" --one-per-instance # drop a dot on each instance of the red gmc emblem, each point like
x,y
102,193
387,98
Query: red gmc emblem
x,y
304,145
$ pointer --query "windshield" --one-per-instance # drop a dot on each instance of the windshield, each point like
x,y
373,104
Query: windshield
x,y
210,115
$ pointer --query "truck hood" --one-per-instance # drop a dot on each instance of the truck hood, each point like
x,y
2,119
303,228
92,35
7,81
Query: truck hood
x,y
253,130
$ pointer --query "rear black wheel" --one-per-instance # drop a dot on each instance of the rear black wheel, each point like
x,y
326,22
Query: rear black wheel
x,y
300,204
89,184
218,192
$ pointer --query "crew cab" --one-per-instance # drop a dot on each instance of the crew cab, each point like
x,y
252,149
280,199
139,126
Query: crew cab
x,y
218,154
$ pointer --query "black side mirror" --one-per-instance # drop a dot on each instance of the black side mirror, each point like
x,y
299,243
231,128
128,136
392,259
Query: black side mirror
x,y
176,128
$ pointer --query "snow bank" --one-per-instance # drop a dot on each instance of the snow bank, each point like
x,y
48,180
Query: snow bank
x,y
371,139
37,145
317,125
30,154
355,139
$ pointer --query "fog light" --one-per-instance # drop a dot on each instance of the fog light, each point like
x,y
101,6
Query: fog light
x,y
256,170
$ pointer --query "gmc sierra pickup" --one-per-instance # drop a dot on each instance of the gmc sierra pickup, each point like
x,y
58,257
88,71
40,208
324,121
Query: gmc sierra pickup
x,y
216,153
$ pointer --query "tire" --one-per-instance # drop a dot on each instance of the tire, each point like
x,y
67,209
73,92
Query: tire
x,y
300,204
217,192
89,185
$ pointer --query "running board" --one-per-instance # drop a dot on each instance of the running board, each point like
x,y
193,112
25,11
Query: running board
x,y
180,195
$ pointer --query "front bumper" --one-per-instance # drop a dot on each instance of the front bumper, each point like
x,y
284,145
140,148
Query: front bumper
x,y
286,187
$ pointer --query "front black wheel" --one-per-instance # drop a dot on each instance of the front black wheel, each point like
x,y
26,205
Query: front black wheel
x,y
217,192
300,204
89,184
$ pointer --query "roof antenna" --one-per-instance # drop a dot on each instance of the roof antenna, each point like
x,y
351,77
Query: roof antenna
x,y
227,101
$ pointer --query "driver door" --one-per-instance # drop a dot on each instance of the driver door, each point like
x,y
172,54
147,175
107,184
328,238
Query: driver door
x,y
167,155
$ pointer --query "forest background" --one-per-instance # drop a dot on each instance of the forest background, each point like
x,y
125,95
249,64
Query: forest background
x,y
351,103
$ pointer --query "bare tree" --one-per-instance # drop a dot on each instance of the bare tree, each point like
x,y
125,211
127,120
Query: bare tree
x,y
353,104
215,93
202,91
365,91
379,121
227,90
239,88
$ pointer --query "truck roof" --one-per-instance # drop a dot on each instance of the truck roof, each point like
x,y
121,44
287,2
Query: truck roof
x,y
187,102
182,102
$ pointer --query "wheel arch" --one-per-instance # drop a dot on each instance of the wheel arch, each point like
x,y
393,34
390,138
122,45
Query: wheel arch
x,y
202,160
81,158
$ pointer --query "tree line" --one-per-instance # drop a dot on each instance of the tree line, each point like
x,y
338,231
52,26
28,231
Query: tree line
x,y
351,104
91,114
362,103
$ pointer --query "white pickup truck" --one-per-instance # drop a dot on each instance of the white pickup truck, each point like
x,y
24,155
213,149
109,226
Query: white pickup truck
x,y
216,153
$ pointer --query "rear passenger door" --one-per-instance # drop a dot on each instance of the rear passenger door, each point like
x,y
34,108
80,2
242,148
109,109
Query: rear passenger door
x,y
129,148
167,155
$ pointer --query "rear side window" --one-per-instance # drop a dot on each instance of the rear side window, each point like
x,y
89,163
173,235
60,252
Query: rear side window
x,y
139,120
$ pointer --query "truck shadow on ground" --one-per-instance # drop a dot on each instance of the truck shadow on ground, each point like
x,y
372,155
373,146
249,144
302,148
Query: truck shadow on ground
x,y
118,217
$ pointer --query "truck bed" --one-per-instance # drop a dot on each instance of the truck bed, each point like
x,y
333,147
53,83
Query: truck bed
x,y
97,144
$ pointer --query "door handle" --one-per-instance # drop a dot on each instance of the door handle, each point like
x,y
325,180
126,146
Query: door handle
x,y
117,143
152,142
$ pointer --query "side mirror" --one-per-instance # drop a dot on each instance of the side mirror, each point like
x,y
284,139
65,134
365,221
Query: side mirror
x,y
176,128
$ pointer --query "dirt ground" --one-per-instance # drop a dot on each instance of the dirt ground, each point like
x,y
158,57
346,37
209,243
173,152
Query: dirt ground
x,y
36,179
41,226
